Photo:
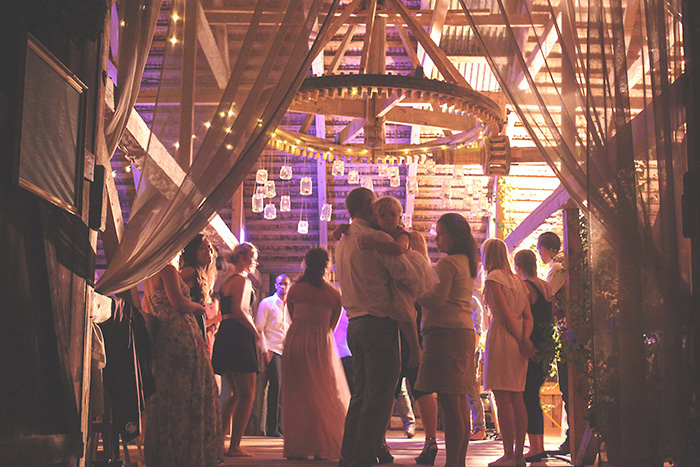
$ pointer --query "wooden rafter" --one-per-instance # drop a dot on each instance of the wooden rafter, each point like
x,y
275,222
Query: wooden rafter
x,y
407,45
217,63
369,29
437,55
342,48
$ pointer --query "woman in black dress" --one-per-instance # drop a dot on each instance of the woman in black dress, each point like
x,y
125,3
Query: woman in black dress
x,y
236,346
540,298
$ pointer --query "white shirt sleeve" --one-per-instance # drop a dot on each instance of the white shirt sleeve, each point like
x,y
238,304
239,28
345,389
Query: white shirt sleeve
x,y
556,277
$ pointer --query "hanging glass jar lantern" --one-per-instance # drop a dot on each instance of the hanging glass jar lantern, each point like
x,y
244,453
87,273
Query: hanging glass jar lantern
x,y
258,201
261,176
393,171
433,230
270,211
270,191
458,172
338,169
446,190
395,182
353,177
306,186
286,172
366,182
407,221
411,185
260,190
469,189
285,203
383,170
326,212
303,227
429,167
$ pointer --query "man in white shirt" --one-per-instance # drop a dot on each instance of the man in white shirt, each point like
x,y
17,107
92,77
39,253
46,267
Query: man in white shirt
x,y
548,246
273,321
373,337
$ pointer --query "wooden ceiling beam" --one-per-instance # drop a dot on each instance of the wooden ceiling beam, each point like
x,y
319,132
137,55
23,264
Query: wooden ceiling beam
x,y
437,55
169,175
369,27
407,45
342,48
218,16
216,60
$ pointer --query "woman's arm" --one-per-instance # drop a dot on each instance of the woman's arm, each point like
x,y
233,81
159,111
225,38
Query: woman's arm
x,y
527,348
171,284
498,306
387,247
337,307
235,287
437,298
188,275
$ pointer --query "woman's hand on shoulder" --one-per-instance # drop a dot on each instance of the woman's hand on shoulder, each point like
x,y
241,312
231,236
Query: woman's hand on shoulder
x,y
188,274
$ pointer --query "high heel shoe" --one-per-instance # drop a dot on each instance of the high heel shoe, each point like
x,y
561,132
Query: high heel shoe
x,y
385,456
429,452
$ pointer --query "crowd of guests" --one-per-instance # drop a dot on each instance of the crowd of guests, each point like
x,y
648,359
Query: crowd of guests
x,y
403,323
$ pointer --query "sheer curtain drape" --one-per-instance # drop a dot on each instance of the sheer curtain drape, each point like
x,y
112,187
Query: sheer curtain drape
x,y
231,129
600,93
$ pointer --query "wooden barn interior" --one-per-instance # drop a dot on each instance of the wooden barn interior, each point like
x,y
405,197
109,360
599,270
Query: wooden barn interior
x,y
130,126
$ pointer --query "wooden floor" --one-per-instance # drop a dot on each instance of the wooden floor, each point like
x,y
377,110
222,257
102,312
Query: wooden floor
x,y
268,452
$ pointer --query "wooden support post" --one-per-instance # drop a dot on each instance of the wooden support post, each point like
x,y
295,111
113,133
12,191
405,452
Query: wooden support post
x,y
238,214
578,384
189,69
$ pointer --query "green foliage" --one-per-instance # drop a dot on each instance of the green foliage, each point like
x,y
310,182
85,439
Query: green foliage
x,y
506,200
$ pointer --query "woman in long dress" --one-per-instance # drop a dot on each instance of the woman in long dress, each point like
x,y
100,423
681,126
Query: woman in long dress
x,y
508,348
315,394
238,346
183,416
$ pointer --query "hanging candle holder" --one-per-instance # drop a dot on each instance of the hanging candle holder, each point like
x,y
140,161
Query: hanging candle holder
x,y
258,201
433,230
446,190
430,167
306,186
260,190
270,211
393,171
395,181
326,212
285,203
353,177
383,170
261,176
286,172
270,191
366,182
458,172
469,189
303,227
338,168
407,221
411,185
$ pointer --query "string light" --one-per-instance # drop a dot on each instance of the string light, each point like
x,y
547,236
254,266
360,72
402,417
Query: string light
x,y
175,17
173,40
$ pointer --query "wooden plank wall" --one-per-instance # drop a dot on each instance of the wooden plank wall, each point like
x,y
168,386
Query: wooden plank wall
x,y
48,267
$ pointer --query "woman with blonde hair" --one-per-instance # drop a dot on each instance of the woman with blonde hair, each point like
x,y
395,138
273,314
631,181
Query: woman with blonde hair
x,y
508,348
238,345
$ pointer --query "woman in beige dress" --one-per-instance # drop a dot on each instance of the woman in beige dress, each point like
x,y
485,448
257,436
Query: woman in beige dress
x,y
508,348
